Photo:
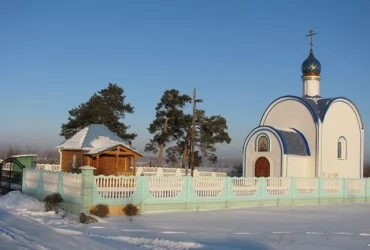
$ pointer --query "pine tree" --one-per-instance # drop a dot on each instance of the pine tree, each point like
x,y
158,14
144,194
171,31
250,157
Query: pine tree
x,y
166,126
172,128
105,107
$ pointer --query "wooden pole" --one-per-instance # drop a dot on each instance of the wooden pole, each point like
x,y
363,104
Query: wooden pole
x,y
193,131
161,146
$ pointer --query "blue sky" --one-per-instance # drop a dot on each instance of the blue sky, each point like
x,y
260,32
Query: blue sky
x,y
239,55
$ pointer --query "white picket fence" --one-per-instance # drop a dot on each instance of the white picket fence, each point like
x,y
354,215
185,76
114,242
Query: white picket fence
x,y
147,171
115,187
165,187
48,167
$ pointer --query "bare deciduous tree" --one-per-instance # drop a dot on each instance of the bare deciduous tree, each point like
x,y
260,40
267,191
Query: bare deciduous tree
x,y
48,155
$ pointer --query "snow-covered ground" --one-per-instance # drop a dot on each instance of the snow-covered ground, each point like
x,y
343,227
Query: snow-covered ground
x,y
25,225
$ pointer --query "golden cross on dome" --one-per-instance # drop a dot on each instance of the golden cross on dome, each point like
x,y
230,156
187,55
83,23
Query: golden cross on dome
x,y
310,34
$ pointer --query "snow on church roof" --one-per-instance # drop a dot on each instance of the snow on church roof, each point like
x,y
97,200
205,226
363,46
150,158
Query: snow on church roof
x,y
317,106
96,137
320,106
294,142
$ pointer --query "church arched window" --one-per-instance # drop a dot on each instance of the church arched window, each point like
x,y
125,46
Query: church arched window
x,y
342,148
263,144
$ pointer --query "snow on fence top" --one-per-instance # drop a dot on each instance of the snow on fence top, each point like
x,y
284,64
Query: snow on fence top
x,y
48,167
153,171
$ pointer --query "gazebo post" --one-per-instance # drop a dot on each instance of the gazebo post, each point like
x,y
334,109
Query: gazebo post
x,y
116,161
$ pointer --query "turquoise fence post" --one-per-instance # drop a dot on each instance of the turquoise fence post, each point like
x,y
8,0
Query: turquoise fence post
x,y
143,192
187,179
40,185
186,192
366,192
86,188
226,187
191,199
140,185
319,186
262,187
60,184
344,190
293,186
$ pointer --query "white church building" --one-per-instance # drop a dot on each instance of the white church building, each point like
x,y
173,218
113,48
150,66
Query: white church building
x,y
308,136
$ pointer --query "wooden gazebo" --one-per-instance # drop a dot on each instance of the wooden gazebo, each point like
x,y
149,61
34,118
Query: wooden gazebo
x,y
99,147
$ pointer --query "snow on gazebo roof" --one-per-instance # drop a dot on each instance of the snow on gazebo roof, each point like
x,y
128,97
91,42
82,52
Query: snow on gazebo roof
x,y
94,136
24,155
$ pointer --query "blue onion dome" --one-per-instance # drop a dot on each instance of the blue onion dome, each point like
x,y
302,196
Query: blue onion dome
x,y
311,66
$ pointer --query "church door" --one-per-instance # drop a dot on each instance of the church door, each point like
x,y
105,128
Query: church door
x,y
262,167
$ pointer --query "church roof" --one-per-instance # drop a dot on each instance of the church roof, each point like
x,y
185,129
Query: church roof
x,y
317,106
94,136
321,105
293,141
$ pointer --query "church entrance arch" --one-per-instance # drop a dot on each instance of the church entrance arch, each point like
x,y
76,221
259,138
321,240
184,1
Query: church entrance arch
x,y
262,167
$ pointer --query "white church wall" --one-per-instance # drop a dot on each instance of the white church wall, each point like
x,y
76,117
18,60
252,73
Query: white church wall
x,y
297,166
274,155
341,122
290,113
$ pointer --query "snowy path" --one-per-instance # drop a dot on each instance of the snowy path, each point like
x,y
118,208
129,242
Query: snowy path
x,y
310,227
24,225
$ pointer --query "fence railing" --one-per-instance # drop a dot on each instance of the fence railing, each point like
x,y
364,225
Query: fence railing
x,y
158,171
161,193
146,171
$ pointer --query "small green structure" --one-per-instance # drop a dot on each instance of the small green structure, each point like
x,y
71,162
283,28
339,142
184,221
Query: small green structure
x,y
11,171
27,160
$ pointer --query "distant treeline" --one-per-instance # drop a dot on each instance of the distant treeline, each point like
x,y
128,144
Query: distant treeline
x,y
44,155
